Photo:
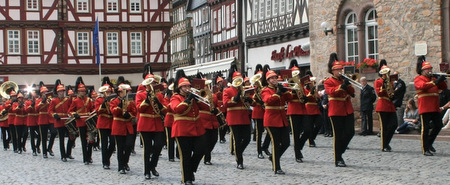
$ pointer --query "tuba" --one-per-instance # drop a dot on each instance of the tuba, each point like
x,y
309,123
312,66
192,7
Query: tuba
x,y
256,83
6,88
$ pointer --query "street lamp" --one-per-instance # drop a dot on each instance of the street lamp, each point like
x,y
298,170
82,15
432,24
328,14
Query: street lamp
x,y
326,27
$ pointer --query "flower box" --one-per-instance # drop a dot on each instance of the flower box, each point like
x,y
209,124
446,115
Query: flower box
x,y
368,70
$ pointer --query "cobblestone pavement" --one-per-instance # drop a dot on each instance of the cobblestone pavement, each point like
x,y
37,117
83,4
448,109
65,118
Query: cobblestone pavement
x,y
366,165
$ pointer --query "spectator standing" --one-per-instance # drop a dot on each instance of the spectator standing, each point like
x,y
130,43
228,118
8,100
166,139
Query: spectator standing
x,y
368,97
399,93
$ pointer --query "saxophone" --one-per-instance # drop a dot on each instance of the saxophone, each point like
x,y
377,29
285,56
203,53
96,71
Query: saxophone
x,y
219,115
389,88
299,89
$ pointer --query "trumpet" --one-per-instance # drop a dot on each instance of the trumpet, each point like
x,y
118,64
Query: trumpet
x,y
353,82
441,74
286,82
199,98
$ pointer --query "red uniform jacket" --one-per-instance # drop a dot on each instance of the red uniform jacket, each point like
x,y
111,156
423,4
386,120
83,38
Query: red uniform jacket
x,y
168,120
220,105
312,108
21,114
237,113
258,111
11,113
149,120
3,119
428,93
185,117
83,107
384,104
275,114
60,107
42,108
105,118
295,107
339,103
33,115
208,119
120,125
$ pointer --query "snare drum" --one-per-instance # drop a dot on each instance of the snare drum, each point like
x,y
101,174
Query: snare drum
x,y
71,126
91,123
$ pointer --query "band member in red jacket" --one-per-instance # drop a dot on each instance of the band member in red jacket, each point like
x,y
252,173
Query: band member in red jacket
x,y
312,109
340,109
258,114
385,108
238,119
4,123
122,128
187,130
168,122
219,87
80,108
428,88
20,122
11,117
300,127
104,121
150,124
58,110
44,120
275,98
32,122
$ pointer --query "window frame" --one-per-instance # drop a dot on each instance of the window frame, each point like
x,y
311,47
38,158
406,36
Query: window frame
x,y
33,9
112,1
371,23
134,41
134,11
37,42
87,42
355,44
88,6
17,46
108,41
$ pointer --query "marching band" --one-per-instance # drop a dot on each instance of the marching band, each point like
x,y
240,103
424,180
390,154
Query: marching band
x,y
194,114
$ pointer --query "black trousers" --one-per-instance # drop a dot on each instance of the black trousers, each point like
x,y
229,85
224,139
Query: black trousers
x,y
211,137
65,153
326,122
301,130
108,144
191,151
85,148
241,138
316,125
44,134
280,143
430,120
35,137
21,136
153,143
367,121
223,130
343,131
53,134
135,134
13,136
170,143
388,125
5,131
124,146
259,133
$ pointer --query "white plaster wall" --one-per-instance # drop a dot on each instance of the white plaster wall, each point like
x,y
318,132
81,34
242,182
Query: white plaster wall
x,y
33,16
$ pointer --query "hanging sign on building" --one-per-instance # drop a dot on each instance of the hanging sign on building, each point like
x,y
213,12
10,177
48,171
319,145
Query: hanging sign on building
x,y
288,52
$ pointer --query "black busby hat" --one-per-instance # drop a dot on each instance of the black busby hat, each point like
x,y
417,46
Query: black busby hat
x,y
200,75
420,61
266,68
79,85
293,63
258,68
147,70
333,57
233,68
55,88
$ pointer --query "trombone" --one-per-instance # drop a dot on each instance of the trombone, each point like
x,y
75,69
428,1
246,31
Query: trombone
x,y
353,82
199,98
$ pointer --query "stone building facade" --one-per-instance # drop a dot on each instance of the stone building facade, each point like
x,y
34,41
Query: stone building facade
x,y
402,28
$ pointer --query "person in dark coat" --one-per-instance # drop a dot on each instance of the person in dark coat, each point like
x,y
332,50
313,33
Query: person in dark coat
x,y
399,93
368,97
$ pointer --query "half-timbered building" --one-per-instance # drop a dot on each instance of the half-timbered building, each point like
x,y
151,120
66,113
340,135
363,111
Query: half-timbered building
x,y
42,39
277,31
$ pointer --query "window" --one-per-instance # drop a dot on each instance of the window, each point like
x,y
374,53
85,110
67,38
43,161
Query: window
x,y
290,6
112,6
13,42
136,43
351,38
275,8
135,6
282,7
32,5
261,9
83,43
82,6
372,34
255,10
112,43
33,42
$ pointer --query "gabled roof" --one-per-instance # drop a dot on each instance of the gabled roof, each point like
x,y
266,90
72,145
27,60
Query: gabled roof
x,y
194,4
